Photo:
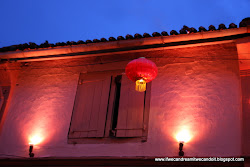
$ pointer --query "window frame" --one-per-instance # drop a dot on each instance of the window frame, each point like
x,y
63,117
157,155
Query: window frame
x,y
108,122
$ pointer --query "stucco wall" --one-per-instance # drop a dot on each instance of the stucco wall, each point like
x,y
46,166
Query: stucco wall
x,y
197,89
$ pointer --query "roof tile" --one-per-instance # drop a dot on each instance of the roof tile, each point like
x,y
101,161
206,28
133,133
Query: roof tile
x,y
164,33
201,29
156,34
104,40
128,36
222,27
211,28
96,40
192,30
120,38
173,32
245,22
137,36
112,39
146,35
232,25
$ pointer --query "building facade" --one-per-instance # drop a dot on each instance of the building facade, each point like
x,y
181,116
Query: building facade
x,y
74,102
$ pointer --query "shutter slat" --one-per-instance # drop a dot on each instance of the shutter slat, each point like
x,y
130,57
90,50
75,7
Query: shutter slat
x,y
94,110
82,112
77,107
103,107
135,118
131,106
87,100
100,105
89,110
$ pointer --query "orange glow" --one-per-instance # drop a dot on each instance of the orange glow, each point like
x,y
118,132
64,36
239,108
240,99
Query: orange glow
x,y
183,136
34,140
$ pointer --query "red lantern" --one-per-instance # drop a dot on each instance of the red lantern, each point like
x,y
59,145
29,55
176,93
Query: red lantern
x,y
141,71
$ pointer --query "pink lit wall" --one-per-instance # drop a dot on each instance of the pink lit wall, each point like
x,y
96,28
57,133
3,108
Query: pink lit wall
x,y
197,89
244,64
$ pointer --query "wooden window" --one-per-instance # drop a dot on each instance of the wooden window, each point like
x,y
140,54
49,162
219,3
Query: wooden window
x,y
130,113
108,107
90,108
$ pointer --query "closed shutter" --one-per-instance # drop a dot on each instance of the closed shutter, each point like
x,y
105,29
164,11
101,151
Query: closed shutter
x,y
131,109
90,108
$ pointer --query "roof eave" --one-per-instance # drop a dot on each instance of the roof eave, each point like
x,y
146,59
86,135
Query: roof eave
x,y
104,48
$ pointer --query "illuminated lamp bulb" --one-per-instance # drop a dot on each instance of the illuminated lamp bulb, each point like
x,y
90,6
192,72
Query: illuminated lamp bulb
x,y
182,137
33,141
140,85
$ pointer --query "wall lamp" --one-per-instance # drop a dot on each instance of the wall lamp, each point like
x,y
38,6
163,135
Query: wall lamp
x,y
182,137
31,154
33,141
181,152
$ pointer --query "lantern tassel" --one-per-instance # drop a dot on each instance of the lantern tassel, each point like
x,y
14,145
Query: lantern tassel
x,y
140,85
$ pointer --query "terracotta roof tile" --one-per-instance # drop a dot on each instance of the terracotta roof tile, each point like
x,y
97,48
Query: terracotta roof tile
x,y
222,26
192,30
137,36
146,35
232,25
128,36
156,34
96,40
89,41
104,40
112,39
120,38
173,32
245,22
211,28
164,33
201,29
80,42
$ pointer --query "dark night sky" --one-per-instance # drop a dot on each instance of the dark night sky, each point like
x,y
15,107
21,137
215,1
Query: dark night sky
x,y
25,21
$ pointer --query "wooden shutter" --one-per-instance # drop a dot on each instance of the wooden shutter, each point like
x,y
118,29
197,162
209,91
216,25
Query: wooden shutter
x,y
131,109
90,108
